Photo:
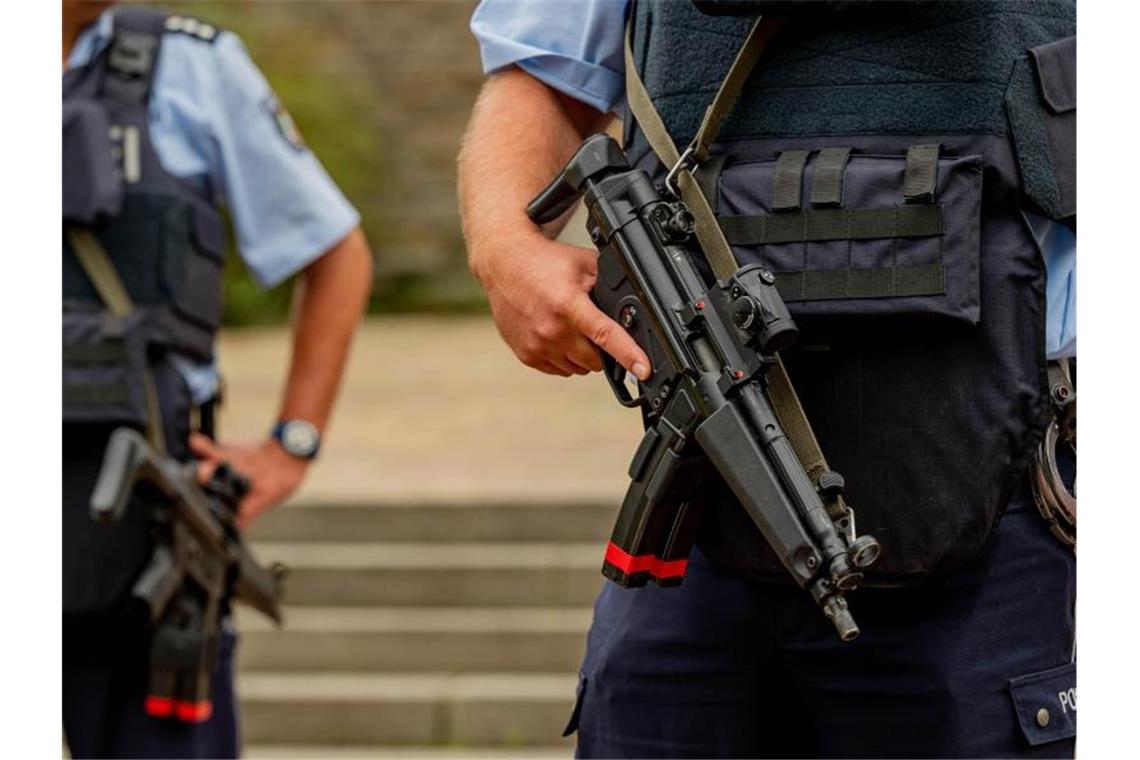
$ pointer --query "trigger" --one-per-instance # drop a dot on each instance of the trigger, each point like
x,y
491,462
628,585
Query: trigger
x,y
615,375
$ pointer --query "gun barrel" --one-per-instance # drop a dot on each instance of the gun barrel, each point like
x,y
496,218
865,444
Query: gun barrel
x,y
259,586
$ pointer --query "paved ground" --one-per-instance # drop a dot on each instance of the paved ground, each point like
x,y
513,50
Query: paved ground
x,y
438,409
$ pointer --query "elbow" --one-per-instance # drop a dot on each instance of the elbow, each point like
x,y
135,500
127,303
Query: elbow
x,y
346,269
363,264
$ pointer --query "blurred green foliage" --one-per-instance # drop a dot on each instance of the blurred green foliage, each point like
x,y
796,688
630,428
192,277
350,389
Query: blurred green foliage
x,y
319,60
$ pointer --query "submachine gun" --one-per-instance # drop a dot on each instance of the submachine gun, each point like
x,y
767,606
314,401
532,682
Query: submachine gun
x,y
199,563
712,344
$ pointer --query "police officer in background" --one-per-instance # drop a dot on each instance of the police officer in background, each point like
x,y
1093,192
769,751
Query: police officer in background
x,y
166,123
925,362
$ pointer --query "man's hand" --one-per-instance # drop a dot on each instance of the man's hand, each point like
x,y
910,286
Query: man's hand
x,y
541,305
332,294
273,473
520,135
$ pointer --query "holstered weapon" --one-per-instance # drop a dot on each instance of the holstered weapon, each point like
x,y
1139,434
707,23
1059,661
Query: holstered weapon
x,y
199,563
706,404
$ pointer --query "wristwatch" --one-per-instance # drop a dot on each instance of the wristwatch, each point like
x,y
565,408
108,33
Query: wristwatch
x,y
299,438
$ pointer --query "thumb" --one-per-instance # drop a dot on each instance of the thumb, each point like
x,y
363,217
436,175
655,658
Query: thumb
x,y
205,470
203,447
609,336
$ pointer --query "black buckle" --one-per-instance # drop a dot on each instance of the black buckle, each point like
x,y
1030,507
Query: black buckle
x,y
132,53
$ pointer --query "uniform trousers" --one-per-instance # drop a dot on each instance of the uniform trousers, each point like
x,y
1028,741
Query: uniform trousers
x,y
977,663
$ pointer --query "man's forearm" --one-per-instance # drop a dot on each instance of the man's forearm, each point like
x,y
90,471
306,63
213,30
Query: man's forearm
x,y
521,133
334,290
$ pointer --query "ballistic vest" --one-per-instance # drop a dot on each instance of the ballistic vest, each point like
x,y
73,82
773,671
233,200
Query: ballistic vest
x,y
164,240
879,161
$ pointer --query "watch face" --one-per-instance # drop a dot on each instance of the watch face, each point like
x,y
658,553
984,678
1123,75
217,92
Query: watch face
x,y
299,438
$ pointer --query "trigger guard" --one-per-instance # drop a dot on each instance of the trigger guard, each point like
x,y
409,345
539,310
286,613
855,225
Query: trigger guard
x,y
615,376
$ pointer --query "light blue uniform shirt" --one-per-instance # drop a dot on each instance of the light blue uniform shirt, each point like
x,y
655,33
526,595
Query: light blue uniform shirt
x,y
577,48
212,123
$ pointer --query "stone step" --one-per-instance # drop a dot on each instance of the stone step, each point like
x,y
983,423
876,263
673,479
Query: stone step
x,y
335,752
438,521
392,639
433,575
425,709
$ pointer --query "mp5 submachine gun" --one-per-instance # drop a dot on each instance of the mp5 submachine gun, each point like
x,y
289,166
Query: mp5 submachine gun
x,y
711,345
199,564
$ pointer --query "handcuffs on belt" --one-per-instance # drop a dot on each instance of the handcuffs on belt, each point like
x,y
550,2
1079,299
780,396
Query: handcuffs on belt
x,y
1054,500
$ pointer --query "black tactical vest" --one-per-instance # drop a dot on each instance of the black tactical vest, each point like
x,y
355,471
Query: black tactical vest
x,y
166,241
165,238
879,161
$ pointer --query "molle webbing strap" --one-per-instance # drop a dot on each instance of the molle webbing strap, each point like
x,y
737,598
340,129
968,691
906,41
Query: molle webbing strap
x,y
97,353
835,224
921,173
96,395
827,179
787,182
875,282
96,263
784,400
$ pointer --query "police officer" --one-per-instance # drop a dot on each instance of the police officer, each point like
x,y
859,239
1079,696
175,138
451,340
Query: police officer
x,y
923,363
166,123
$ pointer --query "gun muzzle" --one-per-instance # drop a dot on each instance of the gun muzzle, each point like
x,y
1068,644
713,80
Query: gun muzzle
x,y
835,608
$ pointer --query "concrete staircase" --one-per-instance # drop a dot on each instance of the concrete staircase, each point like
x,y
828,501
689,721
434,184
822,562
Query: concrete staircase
x,y
422,630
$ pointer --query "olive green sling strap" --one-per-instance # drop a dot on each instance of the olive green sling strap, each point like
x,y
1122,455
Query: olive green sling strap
x,y
708,231
96,263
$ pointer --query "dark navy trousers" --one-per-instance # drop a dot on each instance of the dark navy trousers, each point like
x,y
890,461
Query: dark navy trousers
x,y
105,679
977,664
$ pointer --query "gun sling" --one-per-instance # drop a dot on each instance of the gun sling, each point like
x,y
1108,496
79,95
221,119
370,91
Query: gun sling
x,y
708,231
97,265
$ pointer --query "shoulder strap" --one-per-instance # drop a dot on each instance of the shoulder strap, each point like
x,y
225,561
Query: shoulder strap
x,y
708,231
133,53
96,263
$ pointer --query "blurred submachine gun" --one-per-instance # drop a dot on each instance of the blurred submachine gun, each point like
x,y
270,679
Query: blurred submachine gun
x,y
199,563
707,404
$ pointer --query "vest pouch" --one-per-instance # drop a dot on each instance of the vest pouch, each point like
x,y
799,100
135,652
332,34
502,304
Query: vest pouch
x,y
1041,102
91,189
168,265
199,299
104,361
901,371
855,234
194,257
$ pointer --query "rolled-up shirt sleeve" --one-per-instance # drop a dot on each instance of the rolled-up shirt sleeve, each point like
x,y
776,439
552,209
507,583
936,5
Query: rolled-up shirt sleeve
x,y
575,47
286,210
